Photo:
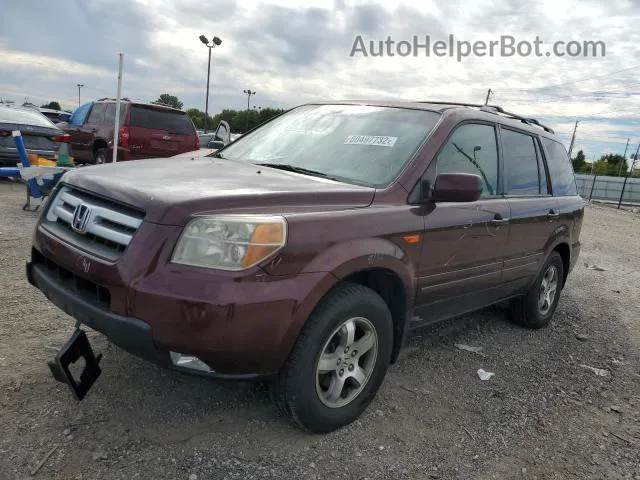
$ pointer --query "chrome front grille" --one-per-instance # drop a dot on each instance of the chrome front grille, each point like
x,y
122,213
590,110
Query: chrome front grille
x,y
91,223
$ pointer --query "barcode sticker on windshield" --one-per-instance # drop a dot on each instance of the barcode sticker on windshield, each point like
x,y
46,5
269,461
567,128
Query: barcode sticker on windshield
x,y
377,140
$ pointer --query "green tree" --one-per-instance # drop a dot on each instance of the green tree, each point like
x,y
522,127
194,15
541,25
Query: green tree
x,y
237,119
616,164
197,117
611,164
169,101
579,161
51,105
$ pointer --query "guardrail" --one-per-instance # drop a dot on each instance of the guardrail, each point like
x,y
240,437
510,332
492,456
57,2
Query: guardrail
x,y
608,189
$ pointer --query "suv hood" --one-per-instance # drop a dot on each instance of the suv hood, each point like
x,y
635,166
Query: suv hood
x,y
170,190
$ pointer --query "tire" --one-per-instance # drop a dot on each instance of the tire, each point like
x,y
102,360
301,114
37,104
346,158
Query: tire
x,y
306,393
100,156
530,310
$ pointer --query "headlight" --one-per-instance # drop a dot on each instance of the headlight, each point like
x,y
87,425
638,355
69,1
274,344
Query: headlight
x,y
229,242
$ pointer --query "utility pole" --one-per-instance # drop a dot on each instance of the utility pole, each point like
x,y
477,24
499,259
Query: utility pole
x,y
249,93
624,156
489,92
626,177
79,85
116,130
573,138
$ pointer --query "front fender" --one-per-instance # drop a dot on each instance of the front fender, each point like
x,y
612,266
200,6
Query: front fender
x,y
344,259
353,256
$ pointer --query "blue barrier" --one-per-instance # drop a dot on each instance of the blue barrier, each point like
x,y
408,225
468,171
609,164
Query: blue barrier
x,y
33,188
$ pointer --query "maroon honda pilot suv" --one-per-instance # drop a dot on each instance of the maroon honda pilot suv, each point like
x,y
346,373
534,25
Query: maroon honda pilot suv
x,y
304,251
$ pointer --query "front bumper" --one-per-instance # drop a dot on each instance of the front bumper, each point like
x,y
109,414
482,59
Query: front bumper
x,y
131,334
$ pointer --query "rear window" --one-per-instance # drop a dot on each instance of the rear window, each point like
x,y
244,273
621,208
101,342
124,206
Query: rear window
x,y
563,180
171,122
23,116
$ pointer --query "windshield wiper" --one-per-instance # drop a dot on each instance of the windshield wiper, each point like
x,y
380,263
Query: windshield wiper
x,y
292,168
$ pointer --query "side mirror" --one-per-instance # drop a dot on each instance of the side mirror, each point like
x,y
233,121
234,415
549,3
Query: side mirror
x,y
457,187
217,144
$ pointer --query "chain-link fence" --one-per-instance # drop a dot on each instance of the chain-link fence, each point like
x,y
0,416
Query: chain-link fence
x,y
600,187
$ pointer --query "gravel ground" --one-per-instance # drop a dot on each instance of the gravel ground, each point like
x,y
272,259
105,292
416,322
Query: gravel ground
x,y
543,414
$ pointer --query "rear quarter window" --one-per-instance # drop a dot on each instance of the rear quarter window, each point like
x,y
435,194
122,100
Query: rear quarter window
x,y
563,181
171,122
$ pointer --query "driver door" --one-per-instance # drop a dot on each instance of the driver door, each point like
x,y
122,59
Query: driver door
x,y
222,136
461,263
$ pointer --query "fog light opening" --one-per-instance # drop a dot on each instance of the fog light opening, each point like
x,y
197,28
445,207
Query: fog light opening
x,y
189,361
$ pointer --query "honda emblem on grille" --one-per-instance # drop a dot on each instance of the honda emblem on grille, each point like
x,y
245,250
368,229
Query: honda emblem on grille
x,y
81,216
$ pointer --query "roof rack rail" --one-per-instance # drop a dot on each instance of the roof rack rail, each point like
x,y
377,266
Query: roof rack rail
x,y
457,104
123,99
495,109
531,121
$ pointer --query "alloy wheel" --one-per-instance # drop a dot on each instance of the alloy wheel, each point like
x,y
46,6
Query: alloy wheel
x,y
346,362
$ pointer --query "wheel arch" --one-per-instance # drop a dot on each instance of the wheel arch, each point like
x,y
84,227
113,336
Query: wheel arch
x,y
390,277
99,143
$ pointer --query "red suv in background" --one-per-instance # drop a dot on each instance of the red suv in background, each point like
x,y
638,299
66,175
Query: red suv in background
x,y
146,130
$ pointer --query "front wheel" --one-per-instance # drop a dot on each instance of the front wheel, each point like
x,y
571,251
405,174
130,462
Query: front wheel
x,y
536,308
339,360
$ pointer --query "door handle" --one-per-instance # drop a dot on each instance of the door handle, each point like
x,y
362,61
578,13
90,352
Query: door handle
x,y
498,220
552,214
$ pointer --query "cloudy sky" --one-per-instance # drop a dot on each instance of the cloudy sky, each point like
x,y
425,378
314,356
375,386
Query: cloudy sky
x,y
290,52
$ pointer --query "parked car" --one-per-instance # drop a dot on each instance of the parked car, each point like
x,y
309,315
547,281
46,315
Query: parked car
x,y
219,138
56,116
40,135
305,250
146,130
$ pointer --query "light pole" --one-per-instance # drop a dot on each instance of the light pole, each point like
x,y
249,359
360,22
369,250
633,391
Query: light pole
x,y
79,85
215,41
249,93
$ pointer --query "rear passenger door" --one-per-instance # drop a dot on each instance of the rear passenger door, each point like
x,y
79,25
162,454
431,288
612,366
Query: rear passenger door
x,y
533,209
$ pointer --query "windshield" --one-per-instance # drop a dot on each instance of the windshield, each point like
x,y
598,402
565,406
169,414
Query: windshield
x,y
351,143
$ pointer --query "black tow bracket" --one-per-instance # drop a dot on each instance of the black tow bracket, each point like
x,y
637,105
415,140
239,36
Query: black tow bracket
x,y
77,347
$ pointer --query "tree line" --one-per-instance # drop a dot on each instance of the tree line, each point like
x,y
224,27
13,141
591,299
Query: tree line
x,y
240,121
610,164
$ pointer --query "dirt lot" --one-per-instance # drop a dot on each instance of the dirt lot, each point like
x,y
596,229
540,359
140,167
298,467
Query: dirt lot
x,y
543,415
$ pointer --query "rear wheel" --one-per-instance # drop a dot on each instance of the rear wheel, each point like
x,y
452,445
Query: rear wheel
x,y
100,156
339,360
536,308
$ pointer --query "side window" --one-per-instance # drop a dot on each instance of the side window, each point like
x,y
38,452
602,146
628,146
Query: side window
x,y
522,176
79,114
97,114
110,114
563,181
472,149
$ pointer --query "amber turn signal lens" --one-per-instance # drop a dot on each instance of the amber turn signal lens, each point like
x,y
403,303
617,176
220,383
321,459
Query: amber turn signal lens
x,y
411,239
266,239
